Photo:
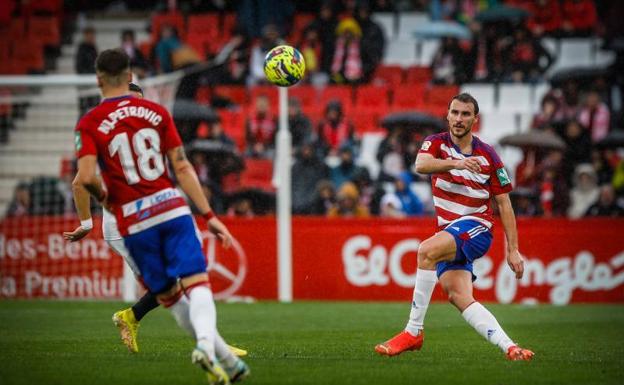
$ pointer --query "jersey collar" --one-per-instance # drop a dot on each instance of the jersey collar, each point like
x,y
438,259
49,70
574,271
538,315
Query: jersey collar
x,y
116,98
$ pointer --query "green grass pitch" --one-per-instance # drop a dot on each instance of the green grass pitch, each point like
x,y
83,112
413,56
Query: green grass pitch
x,y
51,342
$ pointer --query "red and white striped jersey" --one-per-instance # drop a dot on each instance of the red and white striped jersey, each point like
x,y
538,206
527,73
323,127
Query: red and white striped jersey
x,y
462,194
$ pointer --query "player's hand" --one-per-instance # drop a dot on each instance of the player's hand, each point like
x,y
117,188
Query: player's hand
x,y
76,235
218,228
470,164
516,263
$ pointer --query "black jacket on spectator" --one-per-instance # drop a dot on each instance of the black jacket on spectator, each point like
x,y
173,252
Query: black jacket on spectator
x,y
307,172
85,58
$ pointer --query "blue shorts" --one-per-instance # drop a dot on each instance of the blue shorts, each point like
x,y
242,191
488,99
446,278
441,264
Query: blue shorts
x,y
473,240
165,252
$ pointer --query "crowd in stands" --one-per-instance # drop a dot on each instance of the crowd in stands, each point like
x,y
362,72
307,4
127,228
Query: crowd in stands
x,y
348,89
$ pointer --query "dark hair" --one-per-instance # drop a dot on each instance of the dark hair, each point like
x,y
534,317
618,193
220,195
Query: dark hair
x,y
465,97
127,33
135,88
112,62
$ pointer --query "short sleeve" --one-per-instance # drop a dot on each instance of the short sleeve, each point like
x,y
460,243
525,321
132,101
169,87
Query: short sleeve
x,y
431,146
171,137
500,181
84,142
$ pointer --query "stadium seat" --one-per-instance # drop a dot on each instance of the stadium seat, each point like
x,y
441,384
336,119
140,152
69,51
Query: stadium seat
x,y
344,94
418,74
236,94
391,75
514,98
365,120
174,19
315,113
372,97
257,174
484,93
306,94
368,152
229,22
401,53
539,91
408,21
17,29
300,22
206,24
45,30
426,50
28,54
203,95
200,43
408,97
495,125
386,23
440,95
574,52
269,91
234,126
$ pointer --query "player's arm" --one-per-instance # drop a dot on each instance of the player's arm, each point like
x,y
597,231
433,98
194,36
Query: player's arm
x,y
187,178
514,259
86,182
428,164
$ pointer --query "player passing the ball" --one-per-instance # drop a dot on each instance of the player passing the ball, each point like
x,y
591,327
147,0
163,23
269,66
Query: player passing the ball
x,y
129,138
466,174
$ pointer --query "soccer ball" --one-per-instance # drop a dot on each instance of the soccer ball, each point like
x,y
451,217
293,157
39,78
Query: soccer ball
x,y
284,66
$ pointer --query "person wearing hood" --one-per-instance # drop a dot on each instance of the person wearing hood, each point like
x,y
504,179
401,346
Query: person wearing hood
x,y
402,202
347,65
346,170
270,39
607,205
585,191
347,205
307,172
373,41
334,131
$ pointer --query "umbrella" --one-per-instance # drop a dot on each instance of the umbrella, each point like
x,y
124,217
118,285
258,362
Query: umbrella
x,y
189,110
222,157
436,29
414,120
534,139
502,13
262,202
582,75
614,139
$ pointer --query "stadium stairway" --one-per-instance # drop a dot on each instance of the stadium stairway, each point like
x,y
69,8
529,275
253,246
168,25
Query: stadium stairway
x,y
43,136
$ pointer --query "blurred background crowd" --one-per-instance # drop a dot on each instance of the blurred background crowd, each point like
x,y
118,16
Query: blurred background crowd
x,y
379,77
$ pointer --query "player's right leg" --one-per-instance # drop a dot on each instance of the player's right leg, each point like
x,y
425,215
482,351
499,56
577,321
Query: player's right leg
x,y
439,247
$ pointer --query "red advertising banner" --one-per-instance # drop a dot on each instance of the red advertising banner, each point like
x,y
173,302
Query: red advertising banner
x,y
333,259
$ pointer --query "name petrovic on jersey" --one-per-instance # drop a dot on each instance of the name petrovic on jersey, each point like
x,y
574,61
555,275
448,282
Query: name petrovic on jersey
x,y
125,112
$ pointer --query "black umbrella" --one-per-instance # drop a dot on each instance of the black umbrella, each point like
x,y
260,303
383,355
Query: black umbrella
x,y
582,75
262,202
222,157
189,110
534,139
413,119
502,13
614,139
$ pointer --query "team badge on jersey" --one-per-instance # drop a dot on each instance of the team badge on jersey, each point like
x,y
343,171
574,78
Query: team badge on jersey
x,y
77,140
425,146
503,178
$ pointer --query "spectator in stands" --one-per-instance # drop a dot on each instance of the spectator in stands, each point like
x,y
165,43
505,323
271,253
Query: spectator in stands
x,y
370,193
311,47
242,208
325,198
578,17
86,53
299,125
485,60
373,41
578,148
584,192
232,61
260,130
545,17
334,131
595,116
603,168
21,203
137,60
524,201
347,65
325,24
167,44
216,133
606,205
214,198
547,113
270,38
347,203
410,204
200,164
568,96
447,65
307,172
346,170
528,59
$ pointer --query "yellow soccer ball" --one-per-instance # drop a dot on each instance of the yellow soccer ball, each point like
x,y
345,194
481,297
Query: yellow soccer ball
x,y
284,66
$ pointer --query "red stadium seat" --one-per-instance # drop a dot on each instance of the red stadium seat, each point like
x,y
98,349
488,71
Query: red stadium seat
x,y
17,29
390,75
365,121
343,94
300,22
440,95
28,54
45,30
306,94
418,75
372,97
236,94
269,91
200,43
234,126
203,95
206,24
174,19
408,97
257,174
314,112
229,22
